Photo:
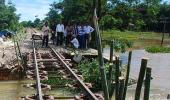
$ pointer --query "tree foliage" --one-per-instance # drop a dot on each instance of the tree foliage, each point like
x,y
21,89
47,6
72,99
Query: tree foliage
x,y
144,15
37,23
8,18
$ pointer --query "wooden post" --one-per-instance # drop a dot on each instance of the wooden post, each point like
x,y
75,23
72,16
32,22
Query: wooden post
x,y
168,96
111,65
163,34
100,56
147,83
127,75
112,88
140,79
117,79
121,88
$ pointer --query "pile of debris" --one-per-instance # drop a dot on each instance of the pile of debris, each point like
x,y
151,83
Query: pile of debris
x,y
10,71
9,65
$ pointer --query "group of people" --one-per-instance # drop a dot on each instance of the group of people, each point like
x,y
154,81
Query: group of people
x,y
77,36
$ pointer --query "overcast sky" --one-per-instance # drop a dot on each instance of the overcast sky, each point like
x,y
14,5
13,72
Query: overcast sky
x,y
31,8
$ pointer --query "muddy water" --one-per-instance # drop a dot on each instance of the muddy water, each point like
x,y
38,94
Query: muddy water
x,y
8,90
160,64
14,90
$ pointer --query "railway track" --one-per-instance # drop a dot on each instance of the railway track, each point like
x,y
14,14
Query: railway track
x,y
39,65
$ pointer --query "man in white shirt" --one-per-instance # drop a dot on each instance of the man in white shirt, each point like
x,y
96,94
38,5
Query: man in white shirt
x,y
88,30
45,34
60,33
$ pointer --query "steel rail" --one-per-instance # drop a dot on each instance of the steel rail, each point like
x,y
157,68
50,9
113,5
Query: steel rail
x,y
38,84
74,75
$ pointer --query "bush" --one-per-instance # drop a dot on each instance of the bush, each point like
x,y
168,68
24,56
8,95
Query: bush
x,y
91,73
139,24
158,49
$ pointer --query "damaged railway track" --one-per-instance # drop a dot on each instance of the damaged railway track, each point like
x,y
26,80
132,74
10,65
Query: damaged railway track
x,y
40,64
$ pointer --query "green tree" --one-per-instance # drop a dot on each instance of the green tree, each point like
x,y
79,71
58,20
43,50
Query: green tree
x,y
2,2
54,15
37,22
143,14
8,18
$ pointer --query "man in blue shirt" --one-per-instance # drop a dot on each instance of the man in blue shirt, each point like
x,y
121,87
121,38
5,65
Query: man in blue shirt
x,y
81,36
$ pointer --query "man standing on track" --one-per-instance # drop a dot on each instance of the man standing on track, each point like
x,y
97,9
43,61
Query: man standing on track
x,y
46,31
60,34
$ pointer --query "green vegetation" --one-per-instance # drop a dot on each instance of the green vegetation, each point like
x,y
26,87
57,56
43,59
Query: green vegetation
x,y
20,36
91,73
37,23
136,15
158,49
119,19
56,81
140,40
120,45
129,35
8,18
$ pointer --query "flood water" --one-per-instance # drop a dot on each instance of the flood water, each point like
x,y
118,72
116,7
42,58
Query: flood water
x,y
160,84
8,90
160,64
14,90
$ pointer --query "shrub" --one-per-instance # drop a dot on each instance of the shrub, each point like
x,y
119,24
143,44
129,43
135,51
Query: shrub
x,y
158,49
91,73
139,24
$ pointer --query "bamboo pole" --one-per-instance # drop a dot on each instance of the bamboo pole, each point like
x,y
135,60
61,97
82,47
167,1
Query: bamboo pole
x,y
117,79
112,88
147,83
19,51
111,52
22,60
121,88
15,48
110,66
140,79
100,56
127,75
